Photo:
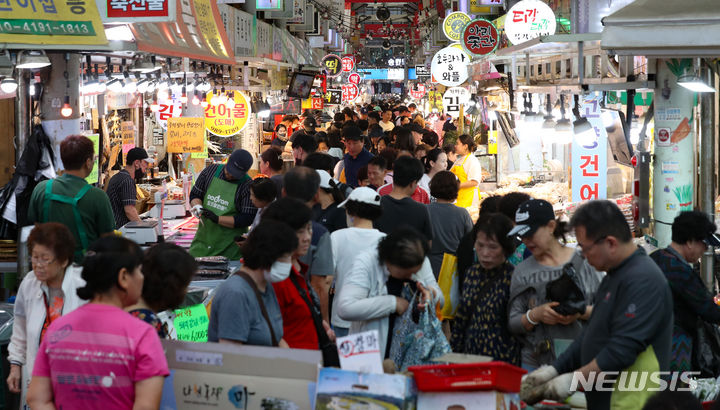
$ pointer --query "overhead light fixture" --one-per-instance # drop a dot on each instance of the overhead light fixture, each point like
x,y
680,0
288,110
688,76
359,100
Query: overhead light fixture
x,y
30,59
693,83
142,85
563,124
230,103
549,122
222,97
154,106
183,96
163,95
145,64
204,102
583,130
66,110
195,99
8,85
115,85
263,109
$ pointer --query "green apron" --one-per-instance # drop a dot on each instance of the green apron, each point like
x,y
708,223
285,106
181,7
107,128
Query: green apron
x,y
213,239
50,196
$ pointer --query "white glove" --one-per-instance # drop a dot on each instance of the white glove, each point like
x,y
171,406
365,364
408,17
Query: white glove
x,y
558,389
531,388
196,210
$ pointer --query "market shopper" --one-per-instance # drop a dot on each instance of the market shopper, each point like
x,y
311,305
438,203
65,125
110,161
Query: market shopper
x,y
45,293
121,188
221,199
99,356
449,222
467,169
434,162
377,168
70,200
303,144
281,137
355,158
271,165
532,316
362,208
245,309
692,232
508,205
386,122
479,326
326,210
630,328
262,192
167,269
371,295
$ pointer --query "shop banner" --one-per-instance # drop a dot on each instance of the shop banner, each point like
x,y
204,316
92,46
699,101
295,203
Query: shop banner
x,y
455,98
263,39
589,156
350,92
136,11
453,25
243,37
333,97
197,33
348,64
529,19
185,135
223,121
168,109
298,12
93,177
332,65
354,78
450,66
482,6
480,37
51,22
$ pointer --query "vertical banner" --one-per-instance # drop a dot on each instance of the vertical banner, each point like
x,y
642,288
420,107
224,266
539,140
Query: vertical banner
x,y
673,165
589,156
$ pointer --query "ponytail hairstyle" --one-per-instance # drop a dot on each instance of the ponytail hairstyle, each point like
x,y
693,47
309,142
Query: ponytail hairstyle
x,y
104,260
335,191
273,157
431,156
465,139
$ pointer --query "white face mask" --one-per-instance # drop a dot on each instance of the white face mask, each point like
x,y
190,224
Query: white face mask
x,y
279,271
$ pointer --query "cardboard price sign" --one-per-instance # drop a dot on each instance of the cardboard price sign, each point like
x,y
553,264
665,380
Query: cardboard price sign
x,y
191,323
185,135
223,121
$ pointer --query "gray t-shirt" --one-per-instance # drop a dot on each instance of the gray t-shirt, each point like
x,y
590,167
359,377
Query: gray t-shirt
x,y
527,290
449,224
236,314
319,257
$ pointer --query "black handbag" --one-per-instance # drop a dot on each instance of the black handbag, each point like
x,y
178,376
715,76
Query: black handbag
x,y
706,349
567,290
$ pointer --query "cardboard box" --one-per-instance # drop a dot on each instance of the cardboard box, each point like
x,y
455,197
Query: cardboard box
x,y
341,389
224,376
480,400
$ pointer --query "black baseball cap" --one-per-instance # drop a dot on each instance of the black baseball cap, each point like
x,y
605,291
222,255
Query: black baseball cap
x,y
138,154
363,110
239,163
530,216
310,122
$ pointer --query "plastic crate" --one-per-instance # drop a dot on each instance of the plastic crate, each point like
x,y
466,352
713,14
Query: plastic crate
x,y
499,376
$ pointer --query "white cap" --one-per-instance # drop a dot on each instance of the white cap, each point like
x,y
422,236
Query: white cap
x,y
363,194
325,179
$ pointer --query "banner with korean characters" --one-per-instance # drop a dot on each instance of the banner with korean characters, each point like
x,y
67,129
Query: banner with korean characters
x,y
453,99
417,91
263,39
348,64
589,156
332,64
168,109
333,97
479,38
529,19
449,66
350,92
136,11
69,23
354,78
223,121
673,169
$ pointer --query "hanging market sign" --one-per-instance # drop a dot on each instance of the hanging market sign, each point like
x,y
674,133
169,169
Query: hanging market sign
x,y
480,37
417,91
269,5
529,19
348,64
51,22
482,6
453,25
354,78
350,92
332,65
449,67
333,97
589,156
453,99
223,121
168,109
422,72
137,11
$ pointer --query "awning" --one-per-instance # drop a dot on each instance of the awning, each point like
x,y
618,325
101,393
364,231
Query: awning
x,y
664,28
197,34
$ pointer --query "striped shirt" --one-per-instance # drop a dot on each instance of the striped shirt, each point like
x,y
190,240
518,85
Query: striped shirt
x,y
121,191
243,205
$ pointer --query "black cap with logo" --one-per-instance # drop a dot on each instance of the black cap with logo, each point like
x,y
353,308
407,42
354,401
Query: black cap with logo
x,y
530,216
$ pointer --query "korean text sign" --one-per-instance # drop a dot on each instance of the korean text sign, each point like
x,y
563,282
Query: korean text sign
x,y
223,121
529,19
480,37
449,66
185,135
134,9
191,324
332,64
589,157
51,22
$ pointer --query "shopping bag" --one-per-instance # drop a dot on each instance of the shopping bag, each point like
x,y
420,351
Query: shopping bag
x,y
449,284
417,337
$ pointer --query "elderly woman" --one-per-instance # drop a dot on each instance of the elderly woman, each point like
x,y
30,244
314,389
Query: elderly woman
x,y
46,293
99,356
245,309
371,297
480,326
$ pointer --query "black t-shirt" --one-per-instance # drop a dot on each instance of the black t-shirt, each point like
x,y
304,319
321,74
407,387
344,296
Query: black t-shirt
x,y
406,211
332,217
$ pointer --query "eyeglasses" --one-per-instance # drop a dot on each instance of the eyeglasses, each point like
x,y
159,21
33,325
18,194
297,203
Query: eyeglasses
x,y
586,248
41,262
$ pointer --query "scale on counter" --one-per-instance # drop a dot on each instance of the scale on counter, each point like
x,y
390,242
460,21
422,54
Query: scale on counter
x,y
174,209
142,233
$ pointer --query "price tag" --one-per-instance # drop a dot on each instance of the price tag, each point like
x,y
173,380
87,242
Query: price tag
x,y
360,352
191,323
186,135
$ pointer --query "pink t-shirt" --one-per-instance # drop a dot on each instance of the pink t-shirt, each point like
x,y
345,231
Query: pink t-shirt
x,y
95,354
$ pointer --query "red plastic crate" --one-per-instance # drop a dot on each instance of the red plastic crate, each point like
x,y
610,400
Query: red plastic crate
x,y
498,376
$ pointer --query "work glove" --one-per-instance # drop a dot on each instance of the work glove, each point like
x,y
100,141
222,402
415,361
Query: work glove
x,y
210,215
558,389
196,210
528,388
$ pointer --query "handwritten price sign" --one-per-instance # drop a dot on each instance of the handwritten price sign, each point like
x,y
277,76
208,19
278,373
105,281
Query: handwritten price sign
x,y
186,135
360,352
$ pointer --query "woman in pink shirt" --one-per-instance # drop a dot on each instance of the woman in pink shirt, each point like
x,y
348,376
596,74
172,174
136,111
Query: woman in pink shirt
x,y
99,356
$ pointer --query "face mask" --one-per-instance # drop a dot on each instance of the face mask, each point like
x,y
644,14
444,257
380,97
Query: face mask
x,y
279,271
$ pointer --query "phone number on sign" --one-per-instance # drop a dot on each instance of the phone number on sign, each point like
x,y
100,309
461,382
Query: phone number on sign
x,y
46,27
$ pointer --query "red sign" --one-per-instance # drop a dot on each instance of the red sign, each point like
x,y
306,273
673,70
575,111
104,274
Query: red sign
x,y
350,92
480,37
137,8
354,78
317,103
418,91
348,64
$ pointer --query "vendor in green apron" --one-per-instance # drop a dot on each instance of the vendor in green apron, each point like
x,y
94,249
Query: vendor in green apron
x,y
221,199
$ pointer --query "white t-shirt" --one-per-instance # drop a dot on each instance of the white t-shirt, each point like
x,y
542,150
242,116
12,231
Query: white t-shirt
x,y
387,126
472,167
347,244
424,183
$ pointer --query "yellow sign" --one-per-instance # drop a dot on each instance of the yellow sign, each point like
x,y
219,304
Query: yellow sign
x,y
454,24
224,121
185,135
51,22
93,177
492,142
200,155
210,31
